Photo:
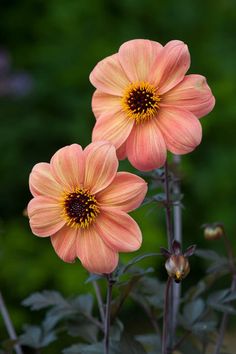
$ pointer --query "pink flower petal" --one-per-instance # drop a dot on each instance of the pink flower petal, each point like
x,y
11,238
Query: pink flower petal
x,y
114,127
103,102
94,254
126,192
101,165
118,230
182,131
41,181
192,94
121,152
170,66
64,243
67,166
108,76
137,56
45,216
145,146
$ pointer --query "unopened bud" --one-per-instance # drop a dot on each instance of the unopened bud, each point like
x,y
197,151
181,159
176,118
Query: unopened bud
x,y
177,267
213,231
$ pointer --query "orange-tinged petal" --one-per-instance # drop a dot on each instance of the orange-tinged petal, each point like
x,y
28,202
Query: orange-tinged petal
x,y
182,131
64,243
108,76
41,181
145,146
114,127
45,216
192,94
121,152
137,56
170,66
101,165
94,254
103,102
118,230
67,166
126,192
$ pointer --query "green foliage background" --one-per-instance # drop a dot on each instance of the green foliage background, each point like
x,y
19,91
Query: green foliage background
x,y
58,42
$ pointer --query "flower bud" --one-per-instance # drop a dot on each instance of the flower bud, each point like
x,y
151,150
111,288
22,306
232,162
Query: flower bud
x,y
177,267
213,231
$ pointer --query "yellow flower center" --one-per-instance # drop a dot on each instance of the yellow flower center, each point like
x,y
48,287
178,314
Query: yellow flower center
x,y
80,208
140,101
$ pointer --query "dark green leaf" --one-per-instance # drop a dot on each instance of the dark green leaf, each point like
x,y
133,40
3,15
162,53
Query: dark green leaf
x,y
32,337
224,308
218,296
207,326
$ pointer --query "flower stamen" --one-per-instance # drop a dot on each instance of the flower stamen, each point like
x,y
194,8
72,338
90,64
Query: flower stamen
x,y
80,208
140,101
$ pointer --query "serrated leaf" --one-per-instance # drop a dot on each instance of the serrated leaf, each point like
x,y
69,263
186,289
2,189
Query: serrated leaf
x,y
218,296
32,337
46,298
82,303
193,310
83,329
150,342
116,330
93,277
204,327
84,349
210,255
224,308
123,269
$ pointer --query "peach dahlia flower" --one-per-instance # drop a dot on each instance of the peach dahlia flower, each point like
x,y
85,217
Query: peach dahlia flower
x,y
81,202
146,105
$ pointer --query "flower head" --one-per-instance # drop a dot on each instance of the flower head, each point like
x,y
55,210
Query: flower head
x,y
81,202
177,264
145,104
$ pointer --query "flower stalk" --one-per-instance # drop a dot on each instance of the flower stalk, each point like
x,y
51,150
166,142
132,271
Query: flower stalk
x,y
110,283
9,325
166,317
225,316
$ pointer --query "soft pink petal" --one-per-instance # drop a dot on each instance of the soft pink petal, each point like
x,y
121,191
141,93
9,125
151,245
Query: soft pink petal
x,y
118,230
145,146
182,131
126,192
114,127
94,254
108,76
67,166
137,56
41,181
103,102
64,243
101,165
45,216
192,94
121,152
170,66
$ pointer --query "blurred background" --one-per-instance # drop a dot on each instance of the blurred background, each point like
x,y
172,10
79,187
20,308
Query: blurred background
x,y
47,50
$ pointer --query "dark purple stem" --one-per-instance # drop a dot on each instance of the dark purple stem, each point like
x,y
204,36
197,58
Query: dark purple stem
x,y
166,317
8,324
110,283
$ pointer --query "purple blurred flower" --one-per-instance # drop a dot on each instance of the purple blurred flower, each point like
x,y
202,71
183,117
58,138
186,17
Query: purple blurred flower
x,y
13,84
